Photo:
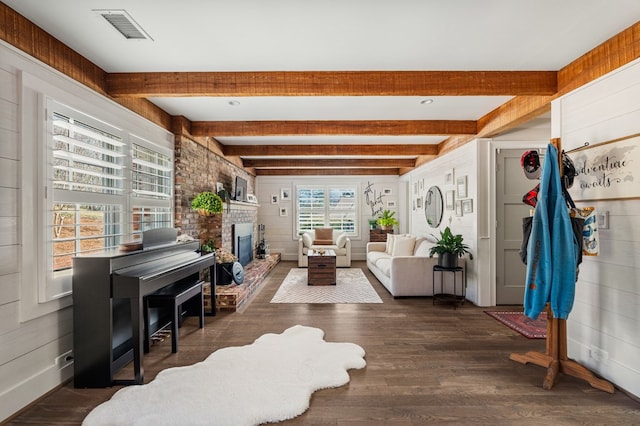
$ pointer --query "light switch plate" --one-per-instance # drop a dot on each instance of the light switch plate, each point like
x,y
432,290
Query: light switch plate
x,y
603,220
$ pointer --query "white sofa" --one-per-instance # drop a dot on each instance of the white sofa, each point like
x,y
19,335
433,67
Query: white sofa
x,y
339,242
404,267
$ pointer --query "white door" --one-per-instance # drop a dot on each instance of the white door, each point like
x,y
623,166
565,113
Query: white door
x,y
511,186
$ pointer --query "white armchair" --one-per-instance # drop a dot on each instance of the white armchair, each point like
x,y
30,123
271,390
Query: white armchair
x,y
328,239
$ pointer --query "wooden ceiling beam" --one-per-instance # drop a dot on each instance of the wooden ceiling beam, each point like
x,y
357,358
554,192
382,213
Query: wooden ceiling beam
x,y
298,163
329,127
333,83
326,172
336,150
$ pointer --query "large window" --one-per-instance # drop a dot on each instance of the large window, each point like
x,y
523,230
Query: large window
x,y
105,186
331,206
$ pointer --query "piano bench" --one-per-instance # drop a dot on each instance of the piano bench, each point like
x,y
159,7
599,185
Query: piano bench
x,y
172,297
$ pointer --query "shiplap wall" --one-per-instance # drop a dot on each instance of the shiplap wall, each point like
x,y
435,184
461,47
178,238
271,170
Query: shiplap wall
x,y
27,349
280,230
603,325
463,162
34,336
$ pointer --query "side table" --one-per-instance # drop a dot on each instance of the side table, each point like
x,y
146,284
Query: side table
x,y
454,297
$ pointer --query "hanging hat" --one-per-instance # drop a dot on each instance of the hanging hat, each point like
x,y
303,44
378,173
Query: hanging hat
x,y
530,162
568,170
531,197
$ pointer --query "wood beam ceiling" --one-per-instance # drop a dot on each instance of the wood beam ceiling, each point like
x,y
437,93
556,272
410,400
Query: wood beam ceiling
x,y
333,83
533,91
332,150
329,127
329,163
326,172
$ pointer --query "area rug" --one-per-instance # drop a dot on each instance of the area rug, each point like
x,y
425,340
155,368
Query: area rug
x,y
530,328
270,380
352,286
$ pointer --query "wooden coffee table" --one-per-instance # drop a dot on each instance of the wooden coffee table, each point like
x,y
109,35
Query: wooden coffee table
x,y
322,268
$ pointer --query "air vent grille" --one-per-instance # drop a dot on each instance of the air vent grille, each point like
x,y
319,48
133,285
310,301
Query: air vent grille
x,y
124,24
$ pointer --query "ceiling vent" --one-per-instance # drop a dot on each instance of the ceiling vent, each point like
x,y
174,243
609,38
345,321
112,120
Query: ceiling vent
x,y
124,23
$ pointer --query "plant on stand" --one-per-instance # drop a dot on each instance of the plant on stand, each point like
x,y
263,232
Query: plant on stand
x,y
449,248
386,220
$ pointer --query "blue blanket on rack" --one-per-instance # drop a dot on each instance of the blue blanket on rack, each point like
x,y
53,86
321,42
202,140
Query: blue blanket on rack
x,y
553,250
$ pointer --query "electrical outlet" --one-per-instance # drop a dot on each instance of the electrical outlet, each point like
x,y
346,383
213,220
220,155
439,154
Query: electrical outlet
x,y
603,220
598,354
64,360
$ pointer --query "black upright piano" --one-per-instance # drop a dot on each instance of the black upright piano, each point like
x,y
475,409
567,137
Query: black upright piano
x,y
108,292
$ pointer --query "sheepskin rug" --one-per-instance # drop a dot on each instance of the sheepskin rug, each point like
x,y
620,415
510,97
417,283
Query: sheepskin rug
x,y
270,380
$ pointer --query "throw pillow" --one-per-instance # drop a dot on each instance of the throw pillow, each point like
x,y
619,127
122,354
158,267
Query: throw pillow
x,y
324,234
403,246
307,241
422,248
341,240
389,247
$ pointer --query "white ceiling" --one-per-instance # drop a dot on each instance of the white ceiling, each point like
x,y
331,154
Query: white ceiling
x,y
335,35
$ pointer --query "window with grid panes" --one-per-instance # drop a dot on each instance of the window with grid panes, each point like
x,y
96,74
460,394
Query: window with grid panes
x,y
106,187
330,206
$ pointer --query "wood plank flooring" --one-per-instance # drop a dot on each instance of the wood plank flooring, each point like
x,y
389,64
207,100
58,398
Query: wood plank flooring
x,y
426,364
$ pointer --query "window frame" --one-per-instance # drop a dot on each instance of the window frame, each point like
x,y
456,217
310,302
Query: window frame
x,y
57,284
327,210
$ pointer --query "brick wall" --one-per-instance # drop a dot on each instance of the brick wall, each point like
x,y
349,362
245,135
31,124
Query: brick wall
x,y
196,170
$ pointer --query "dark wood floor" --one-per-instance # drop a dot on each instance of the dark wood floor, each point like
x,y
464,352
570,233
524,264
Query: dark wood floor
x,y
425,365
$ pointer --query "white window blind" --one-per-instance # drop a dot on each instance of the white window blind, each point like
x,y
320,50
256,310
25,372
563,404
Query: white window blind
x,y
146,218
86,158
83,228
151,173
102,186
329,206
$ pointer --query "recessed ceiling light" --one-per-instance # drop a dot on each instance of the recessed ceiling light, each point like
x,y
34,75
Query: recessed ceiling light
x,y
234,103
426,101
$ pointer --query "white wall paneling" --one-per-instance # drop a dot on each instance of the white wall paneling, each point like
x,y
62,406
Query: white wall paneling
x,y
602,327
32,334
280,231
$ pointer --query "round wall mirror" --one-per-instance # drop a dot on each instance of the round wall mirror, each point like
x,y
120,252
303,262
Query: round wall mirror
x,y
433,206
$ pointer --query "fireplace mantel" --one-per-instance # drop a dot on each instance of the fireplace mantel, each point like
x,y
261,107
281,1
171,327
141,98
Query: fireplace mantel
x,y
241,205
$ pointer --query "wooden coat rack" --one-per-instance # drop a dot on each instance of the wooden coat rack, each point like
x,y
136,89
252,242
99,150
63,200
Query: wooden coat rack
x,y
555,358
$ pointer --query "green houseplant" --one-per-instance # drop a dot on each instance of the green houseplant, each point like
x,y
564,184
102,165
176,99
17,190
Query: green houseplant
x,y
207,203
386,219
449,247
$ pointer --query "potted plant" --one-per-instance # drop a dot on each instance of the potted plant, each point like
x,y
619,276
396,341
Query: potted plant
x,y
207,203
224,266
373,223
208,247
449,248
386,219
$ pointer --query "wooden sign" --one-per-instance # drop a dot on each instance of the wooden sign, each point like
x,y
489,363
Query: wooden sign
x,y
607,171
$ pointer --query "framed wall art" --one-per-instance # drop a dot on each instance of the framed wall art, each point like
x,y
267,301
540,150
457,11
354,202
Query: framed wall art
x,y
461,187
459,208
607,171
284,194
274,198
449,200
449,177
467,206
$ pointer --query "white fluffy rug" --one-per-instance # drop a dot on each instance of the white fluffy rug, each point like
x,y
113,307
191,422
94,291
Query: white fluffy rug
x,y
268,381
352,286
